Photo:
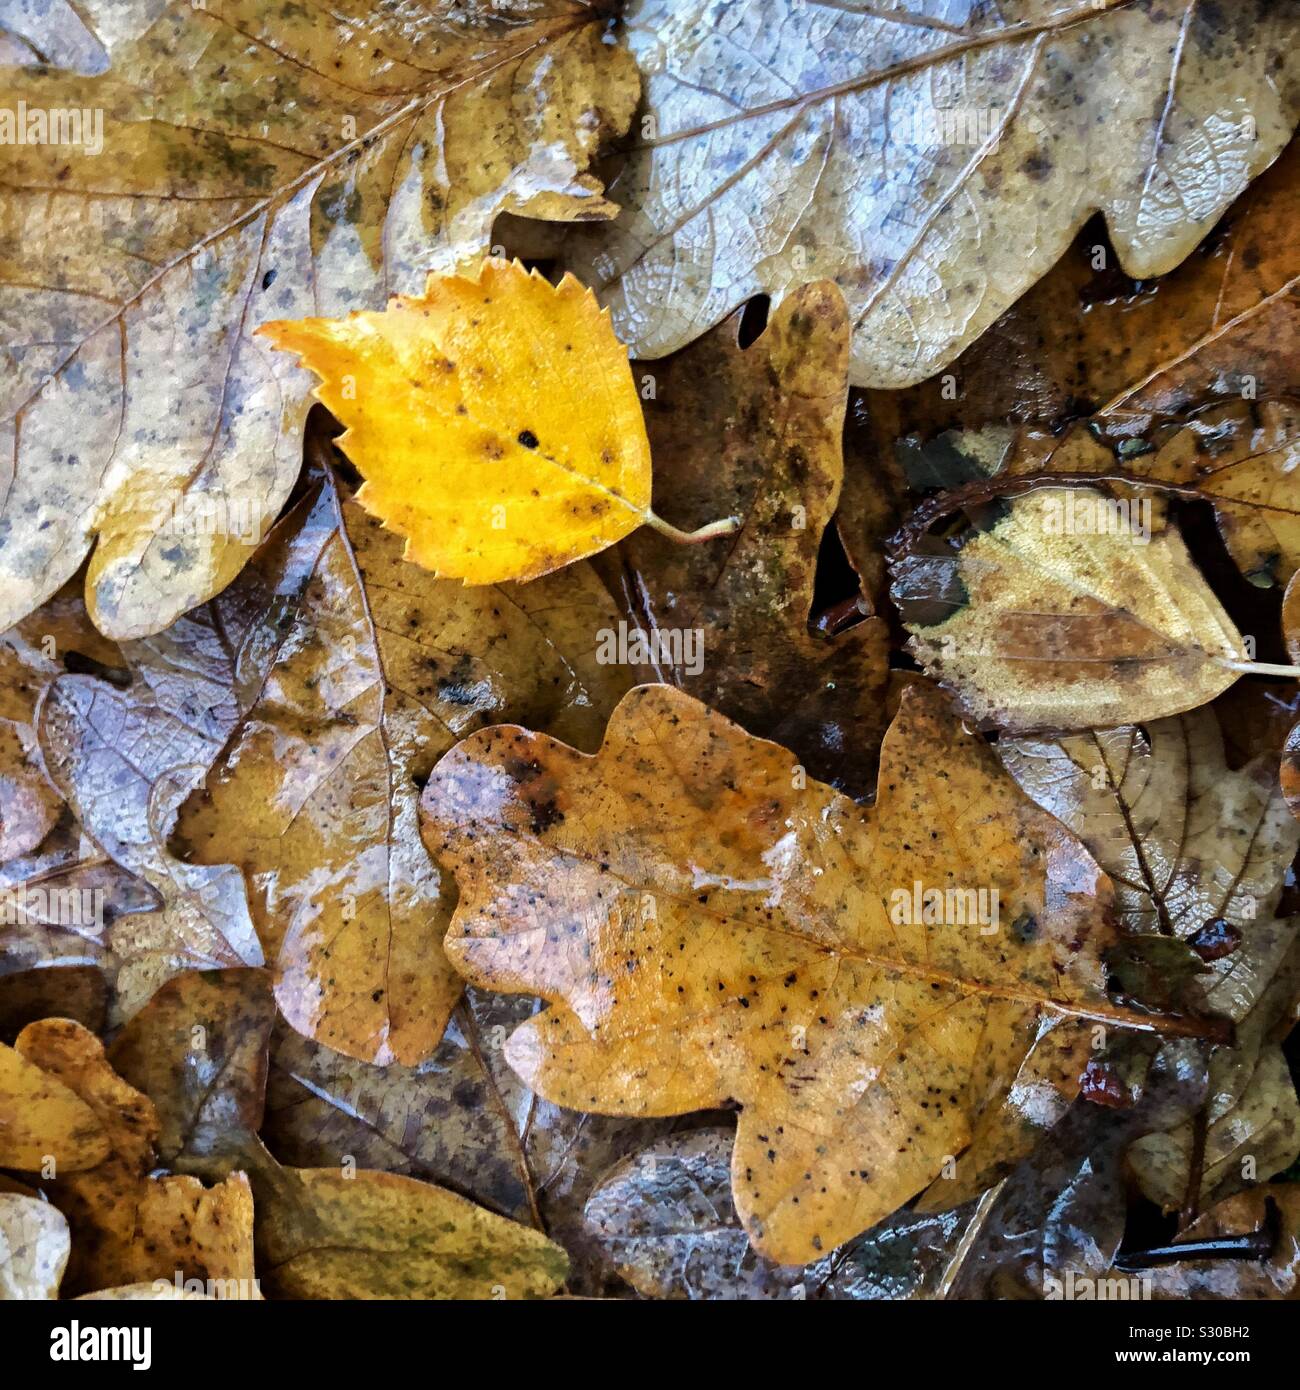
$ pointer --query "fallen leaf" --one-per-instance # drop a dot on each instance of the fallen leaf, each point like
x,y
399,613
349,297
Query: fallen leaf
x,y
78,992
587,880
1240,457
1038,621
498,379
379,1235
34,1248
31,655
1251,1116
1187,842
729,622
377,668
145,419
1278,1276
41,1118
761,118
199,1050
128,1227
1089,340
665,1215
124,763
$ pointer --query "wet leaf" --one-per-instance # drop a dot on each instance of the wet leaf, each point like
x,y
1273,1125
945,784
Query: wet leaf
x,y
377,667
1089,340
1187,842
41,1118
666,1216
1040,621
379,1235
34,1248
1252,1114
124,762
31,655
761,118
520,392
199,1049
138,402
712,933
1276,1277
1239,457
768,419
129,1227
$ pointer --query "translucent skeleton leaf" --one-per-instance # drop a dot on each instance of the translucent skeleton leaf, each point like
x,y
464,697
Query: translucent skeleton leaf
x,y
494,419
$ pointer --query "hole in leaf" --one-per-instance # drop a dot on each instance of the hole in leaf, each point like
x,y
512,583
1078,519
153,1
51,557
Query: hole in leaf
x,y
753,320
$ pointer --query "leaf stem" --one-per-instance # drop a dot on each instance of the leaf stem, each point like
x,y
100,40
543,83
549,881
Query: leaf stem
x,y
1258,668
726,527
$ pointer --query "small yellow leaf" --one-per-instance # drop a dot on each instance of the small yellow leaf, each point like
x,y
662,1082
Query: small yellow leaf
x,y
494,420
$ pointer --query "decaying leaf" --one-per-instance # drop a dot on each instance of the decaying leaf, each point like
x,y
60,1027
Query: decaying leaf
x,y
1197,852
666,1217
1048,618
379,1235
1089,340
708,931
1275,1276
140,408
1240,457
31,655
376,669
123,762
1251,1120
129,1227
199,1048
43,1119
34,1247
729,622
990,138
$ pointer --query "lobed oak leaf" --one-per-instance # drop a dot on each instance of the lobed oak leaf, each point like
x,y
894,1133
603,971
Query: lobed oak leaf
x,y
1136,355
761,117
708,932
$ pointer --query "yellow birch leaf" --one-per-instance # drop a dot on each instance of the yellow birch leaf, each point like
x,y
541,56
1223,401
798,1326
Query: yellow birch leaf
x,y
495,421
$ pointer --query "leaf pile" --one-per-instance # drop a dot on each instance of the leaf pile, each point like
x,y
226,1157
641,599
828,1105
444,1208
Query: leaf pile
x,y
650,650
